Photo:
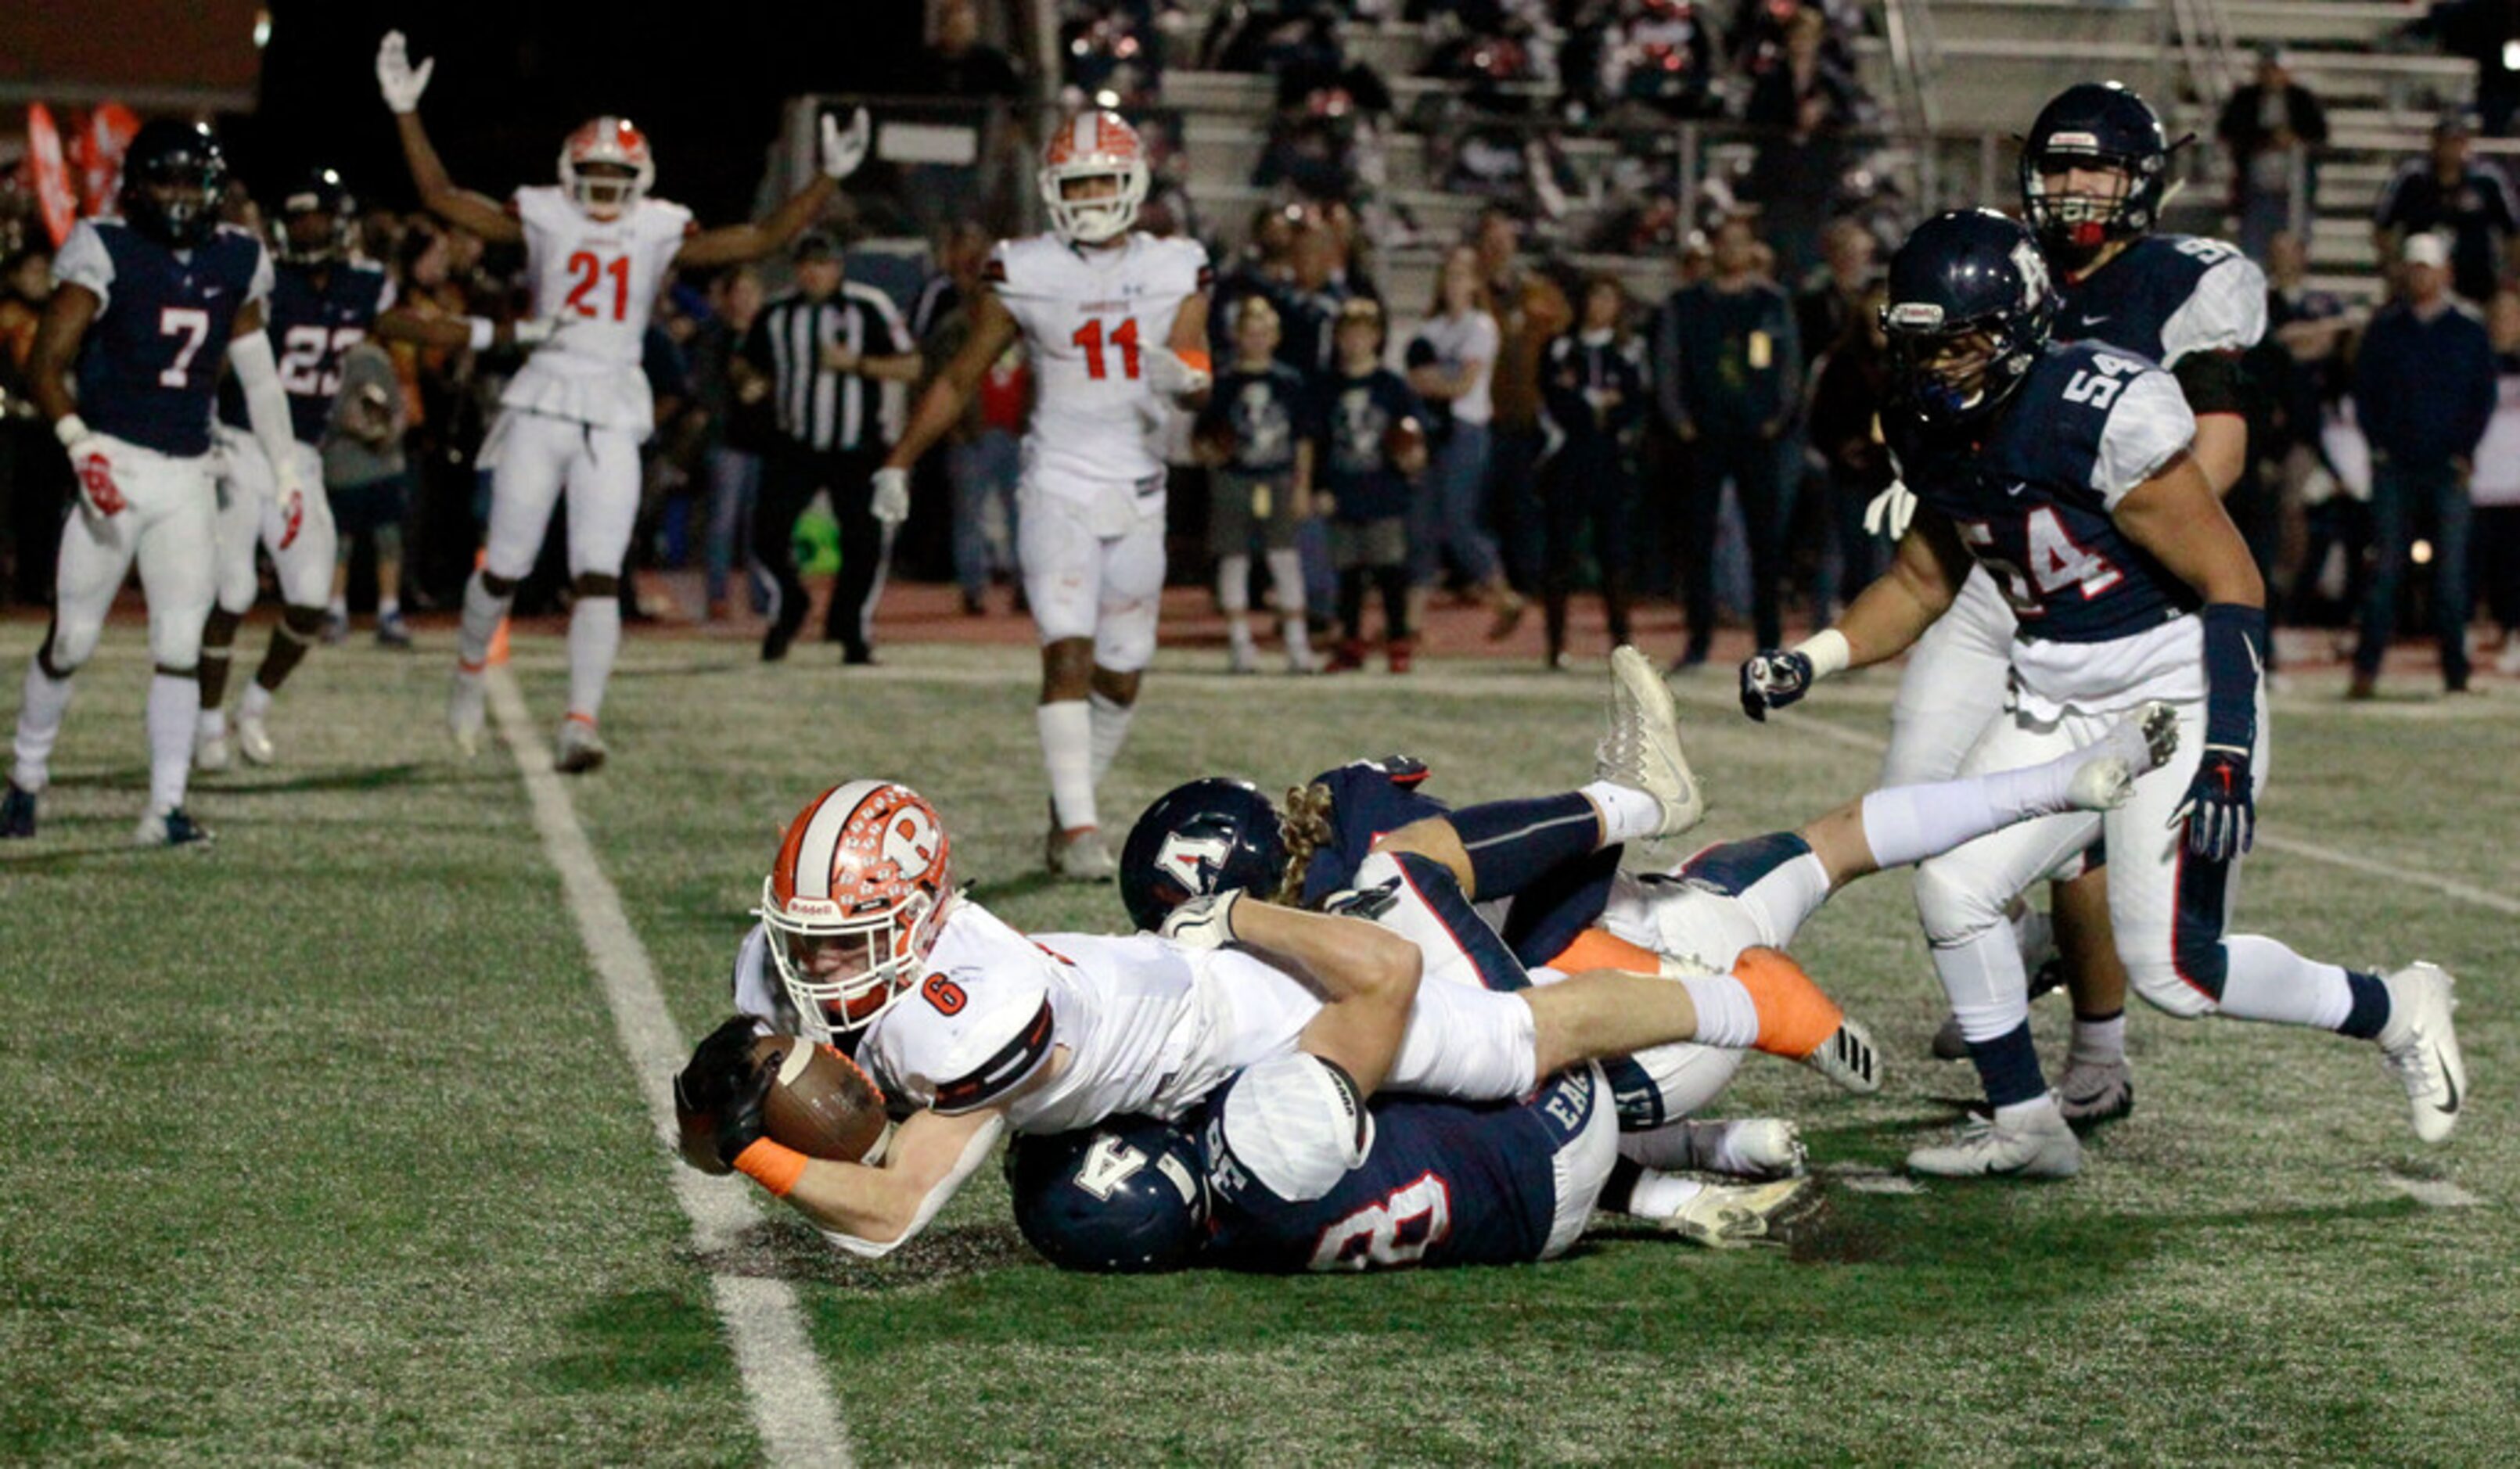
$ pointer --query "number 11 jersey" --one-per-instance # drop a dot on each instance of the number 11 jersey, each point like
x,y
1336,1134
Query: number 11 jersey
x,y
596,281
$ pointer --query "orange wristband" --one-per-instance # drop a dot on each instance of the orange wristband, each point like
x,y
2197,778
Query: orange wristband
x,y
1194,357
771,1165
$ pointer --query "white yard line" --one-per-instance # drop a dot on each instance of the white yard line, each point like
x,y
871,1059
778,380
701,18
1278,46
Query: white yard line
x,y
2432,1193
784,1382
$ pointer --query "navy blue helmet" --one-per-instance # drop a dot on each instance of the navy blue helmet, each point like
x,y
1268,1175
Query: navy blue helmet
x,y
320,192
2101,126
1205,837
1126,1196
1970,307
172,175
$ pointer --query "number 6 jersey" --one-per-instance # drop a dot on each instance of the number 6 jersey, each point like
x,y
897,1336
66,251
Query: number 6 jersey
x,y
1089,318
2102,624
595,280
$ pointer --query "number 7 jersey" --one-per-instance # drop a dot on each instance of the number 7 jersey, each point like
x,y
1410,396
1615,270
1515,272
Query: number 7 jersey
x,y
596,281
1089,319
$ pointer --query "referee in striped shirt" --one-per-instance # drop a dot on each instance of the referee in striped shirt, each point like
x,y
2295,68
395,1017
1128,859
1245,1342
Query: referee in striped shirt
x,y
821,355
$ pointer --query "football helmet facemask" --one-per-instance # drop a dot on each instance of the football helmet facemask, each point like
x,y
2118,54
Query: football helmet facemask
x,y
172,176
1096,145
1200,838
605,167
861,890
2097,128
321,193
1969,308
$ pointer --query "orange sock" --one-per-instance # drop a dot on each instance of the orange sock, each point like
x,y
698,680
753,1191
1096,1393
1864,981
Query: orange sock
x,y
1600,949
1795,1018
771,1165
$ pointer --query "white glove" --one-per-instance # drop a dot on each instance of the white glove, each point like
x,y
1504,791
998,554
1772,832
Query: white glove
x,y
843,151
1173,377
891,503
99,495
1890,511
288,493
396,77
1204,922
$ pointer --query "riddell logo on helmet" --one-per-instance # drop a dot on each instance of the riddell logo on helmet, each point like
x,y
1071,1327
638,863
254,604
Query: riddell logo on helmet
x,y
812,908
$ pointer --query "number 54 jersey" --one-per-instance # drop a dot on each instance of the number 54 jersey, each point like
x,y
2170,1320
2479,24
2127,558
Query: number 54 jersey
x,y
595,280
1089,319
2103,626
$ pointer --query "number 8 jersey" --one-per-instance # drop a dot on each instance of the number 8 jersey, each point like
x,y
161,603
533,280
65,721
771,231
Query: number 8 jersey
x,y
595,280
1089,318
2102,623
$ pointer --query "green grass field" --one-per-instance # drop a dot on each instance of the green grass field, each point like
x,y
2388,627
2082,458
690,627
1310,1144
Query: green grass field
x,y
322,1148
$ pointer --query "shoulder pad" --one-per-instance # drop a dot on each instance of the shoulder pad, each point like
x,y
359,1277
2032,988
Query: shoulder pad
x,y
2149,424
998,1031
664,220
2225,311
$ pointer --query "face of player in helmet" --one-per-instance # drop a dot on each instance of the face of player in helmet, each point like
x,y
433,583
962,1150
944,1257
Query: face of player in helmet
x,y
1954,367
179,201
312,233
605,189
2082,195
1089,187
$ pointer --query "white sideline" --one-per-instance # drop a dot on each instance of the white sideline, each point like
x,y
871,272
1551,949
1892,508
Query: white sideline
x,y
2291,846
784,1382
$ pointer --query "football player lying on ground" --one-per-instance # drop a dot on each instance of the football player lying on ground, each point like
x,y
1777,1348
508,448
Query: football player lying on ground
x,y
1290,1018
1368,827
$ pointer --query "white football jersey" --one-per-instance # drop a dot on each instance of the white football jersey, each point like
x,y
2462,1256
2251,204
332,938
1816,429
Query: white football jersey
x,y
1089,318
596,281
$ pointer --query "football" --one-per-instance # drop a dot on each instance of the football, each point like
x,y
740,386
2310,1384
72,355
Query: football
x,y
820,1102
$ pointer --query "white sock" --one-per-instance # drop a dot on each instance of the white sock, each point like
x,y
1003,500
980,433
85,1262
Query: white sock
x,y
174,707
1907,824
214,724
386,607
1286,583
1660,1195
1298,638
1726,1015
1110,724
1067,754
1233,584
2267,981
594,642
2014,1114
2098,1043
481,614
1628,815
1238,635
39,727
256,701
339,608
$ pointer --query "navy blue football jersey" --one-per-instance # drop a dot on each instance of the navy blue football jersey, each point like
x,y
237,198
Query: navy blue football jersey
x,y
2165,297
1352,419
313,325
149,367
1268,411
2031,493
1447,1182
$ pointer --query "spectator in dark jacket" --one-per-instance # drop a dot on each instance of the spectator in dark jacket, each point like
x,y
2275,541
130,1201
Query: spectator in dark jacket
x,y
1727,371
2452,190
1848,390
2424,390
1593,386
2275,128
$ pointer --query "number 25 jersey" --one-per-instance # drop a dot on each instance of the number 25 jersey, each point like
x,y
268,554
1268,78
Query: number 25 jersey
x,y
1089,319
596,281
2101,622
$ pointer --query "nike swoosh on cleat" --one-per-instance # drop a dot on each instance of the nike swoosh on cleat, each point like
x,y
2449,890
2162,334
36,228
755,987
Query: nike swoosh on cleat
x,y
2449,1108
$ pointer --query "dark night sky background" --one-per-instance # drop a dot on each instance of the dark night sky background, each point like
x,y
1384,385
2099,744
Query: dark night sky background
x,y
704,78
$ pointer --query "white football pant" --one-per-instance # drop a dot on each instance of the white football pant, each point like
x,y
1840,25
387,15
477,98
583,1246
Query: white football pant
x,y
538,458
168,524
1094,567
246,514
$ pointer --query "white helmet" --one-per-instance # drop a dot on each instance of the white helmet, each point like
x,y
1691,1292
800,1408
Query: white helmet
x,y
1090,146
860,891
606,140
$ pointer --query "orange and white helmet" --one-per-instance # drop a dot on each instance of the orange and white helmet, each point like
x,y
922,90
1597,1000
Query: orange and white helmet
x,y
606,140
1092,145
861,887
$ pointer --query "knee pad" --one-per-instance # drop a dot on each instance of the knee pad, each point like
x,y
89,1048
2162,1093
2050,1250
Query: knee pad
x,y
1953,907
595,584
2188,987
302,623
68,645
174,641
1287,1131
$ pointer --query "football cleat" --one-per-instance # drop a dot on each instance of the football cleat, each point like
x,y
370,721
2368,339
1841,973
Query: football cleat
x,y
1079,856
582,749
336,628
253,742
2092,1094
210,752
1747,1147
2421,1045
1849,1058
1731,1215
17,812
1641,750
2037,1146
171,828
466,712
2136,745
391,631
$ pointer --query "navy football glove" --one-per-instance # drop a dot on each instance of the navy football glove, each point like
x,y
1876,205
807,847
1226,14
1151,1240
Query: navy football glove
x,y
1771,680
2220,812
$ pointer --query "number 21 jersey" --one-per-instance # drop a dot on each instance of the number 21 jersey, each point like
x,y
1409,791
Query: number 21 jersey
x,y
595,280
